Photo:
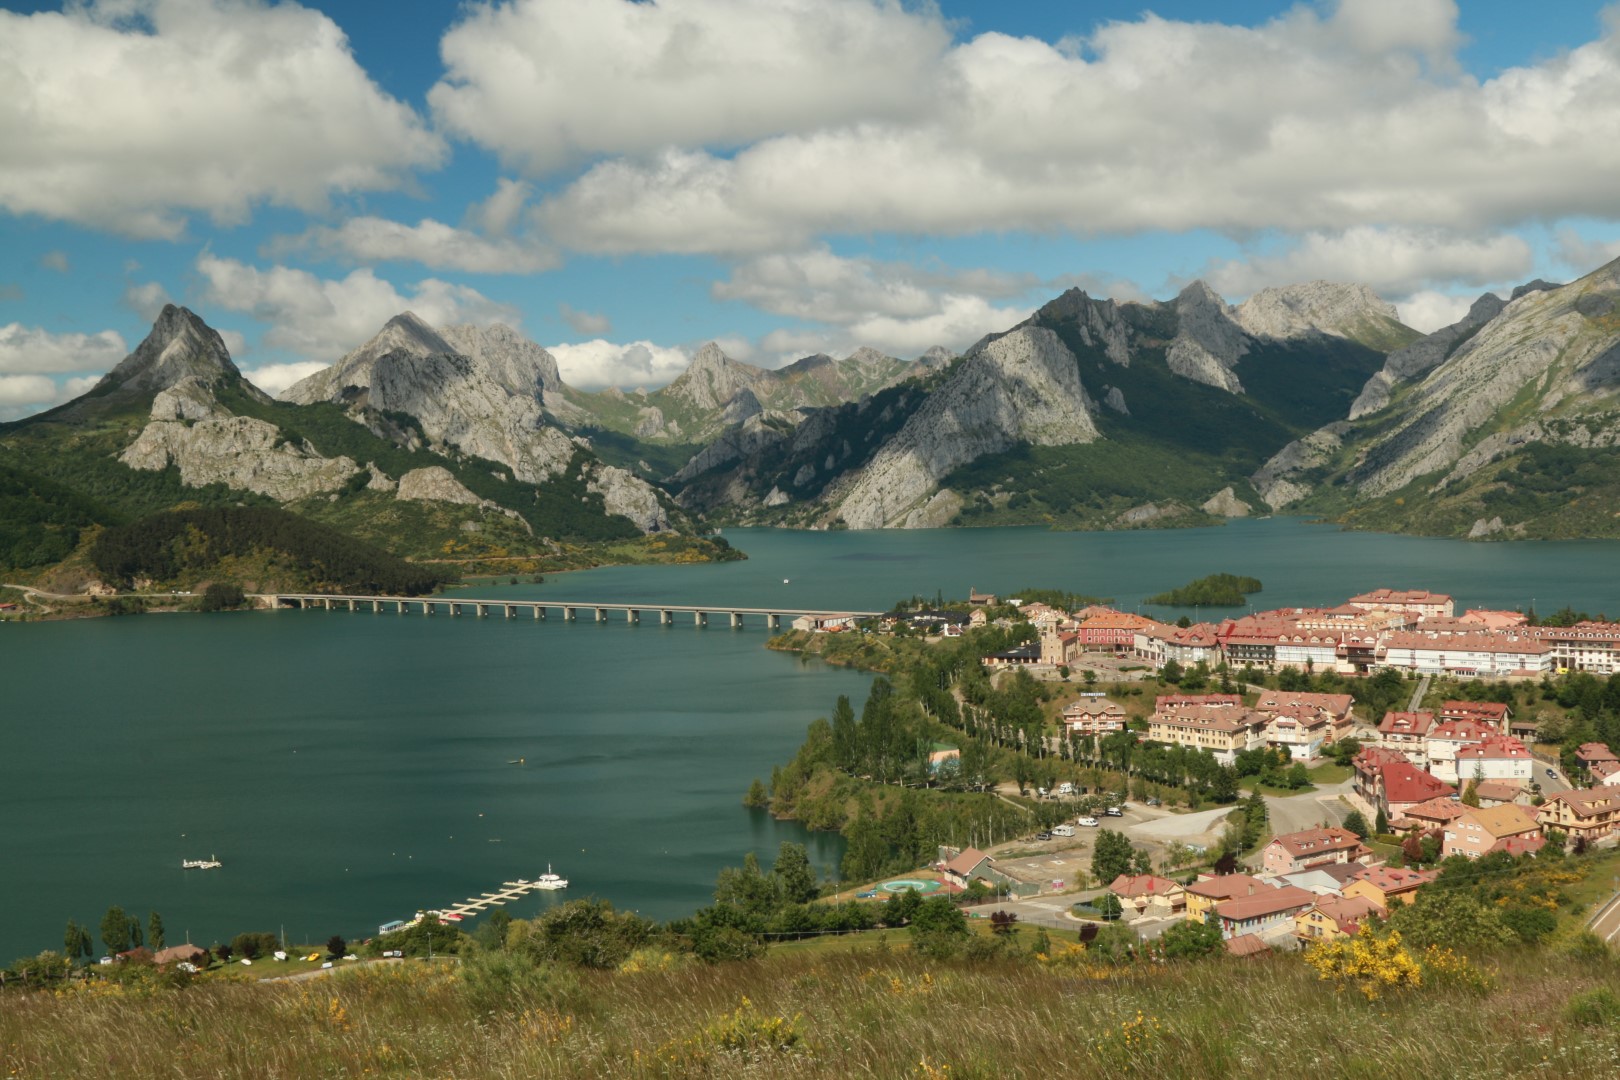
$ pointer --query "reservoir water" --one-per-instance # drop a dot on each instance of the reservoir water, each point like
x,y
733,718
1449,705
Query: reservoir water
x,y
349,768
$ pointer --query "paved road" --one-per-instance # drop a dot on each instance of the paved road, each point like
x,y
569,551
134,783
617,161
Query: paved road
x,y
1295,812
1606,923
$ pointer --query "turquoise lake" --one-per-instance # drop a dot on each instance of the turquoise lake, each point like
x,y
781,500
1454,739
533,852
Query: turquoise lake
x,y
349,768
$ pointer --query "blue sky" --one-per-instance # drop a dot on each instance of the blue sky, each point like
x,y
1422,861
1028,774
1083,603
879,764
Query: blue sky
x,y
624,181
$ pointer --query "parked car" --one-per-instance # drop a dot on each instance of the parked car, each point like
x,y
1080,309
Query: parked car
x,y
1553,773
1114,811
1063,830
1043,836
1089,822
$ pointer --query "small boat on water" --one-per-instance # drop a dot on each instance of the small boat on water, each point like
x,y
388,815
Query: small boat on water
x,y
549,880
210,863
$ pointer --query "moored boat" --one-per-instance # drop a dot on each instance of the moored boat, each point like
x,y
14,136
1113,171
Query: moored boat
x,y
549,880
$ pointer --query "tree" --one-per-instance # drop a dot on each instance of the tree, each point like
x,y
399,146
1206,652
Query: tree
x,y
757,798
938,927
1109,906
902,907
115,930
1003,922
1188,940
1298,777
1356,823
1470,795
795,878
1112,856
1141,863
336,947
1450,918
76,942
1381,823
154,930
223,951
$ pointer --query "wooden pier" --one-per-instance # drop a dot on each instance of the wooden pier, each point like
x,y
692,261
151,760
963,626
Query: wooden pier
x,y
475,905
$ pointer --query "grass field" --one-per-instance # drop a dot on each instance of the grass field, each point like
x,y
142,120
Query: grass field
x,y
834,1012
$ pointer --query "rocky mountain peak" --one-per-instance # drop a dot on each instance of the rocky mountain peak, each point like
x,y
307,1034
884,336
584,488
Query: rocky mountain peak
x,y
713,379
508,354
406,332
1208,340
1538,285
1289,312
868,357
179,346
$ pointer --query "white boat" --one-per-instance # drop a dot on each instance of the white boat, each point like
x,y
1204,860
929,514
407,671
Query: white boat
x,y
548,880
210,863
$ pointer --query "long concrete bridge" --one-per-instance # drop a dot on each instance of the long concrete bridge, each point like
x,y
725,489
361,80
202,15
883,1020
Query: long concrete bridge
x,y
538,609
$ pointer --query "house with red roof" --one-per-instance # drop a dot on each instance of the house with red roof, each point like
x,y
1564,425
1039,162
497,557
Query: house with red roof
x,y
1446,737
1588,814
1501,759
1334,917
1386,885
1262,913
1149,894
1405,732
1417,603
1209,890
1493,713
1293,851
1386,781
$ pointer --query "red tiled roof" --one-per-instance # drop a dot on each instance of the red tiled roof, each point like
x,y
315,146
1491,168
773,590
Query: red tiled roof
x,y
1441,809
1388,879
1246,945
1405,783
1227,886
1406,723
1317,842
1269,902
1132,885
1347,912
1595,751
964,863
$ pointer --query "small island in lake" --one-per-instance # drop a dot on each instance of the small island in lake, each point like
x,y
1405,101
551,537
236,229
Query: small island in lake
x,y
1216,590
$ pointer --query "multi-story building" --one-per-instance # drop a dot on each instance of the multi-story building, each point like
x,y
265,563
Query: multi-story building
x,y
1494,713
1094,716
1588,814
1223,730
1478,832
1113,632
1586,646
1405,732
1500,759
1417,603
1447,737
1295,851
1480,654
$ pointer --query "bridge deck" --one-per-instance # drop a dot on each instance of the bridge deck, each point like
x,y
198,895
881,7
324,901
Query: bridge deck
x,y
615,605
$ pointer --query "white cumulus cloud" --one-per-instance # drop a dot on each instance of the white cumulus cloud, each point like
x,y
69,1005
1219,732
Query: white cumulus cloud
x,y
432,243
594,364
321,318
129,115
274,378
1326,119
1428,310
31,351
545,82
1394,261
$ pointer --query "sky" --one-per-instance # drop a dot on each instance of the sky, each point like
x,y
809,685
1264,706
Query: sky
x,y
623,181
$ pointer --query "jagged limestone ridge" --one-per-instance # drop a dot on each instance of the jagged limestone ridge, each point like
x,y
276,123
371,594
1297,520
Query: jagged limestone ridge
x,y
1021,387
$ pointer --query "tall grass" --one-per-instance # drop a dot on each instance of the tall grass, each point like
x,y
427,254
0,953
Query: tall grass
x,y
871,1013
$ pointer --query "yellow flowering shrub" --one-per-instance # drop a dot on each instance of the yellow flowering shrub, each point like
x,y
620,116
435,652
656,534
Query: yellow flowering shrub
x,y
1370,963
744,1033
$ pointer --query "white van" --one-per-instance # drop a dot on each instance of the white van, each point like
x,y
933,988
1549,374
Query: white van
x,y
1063,830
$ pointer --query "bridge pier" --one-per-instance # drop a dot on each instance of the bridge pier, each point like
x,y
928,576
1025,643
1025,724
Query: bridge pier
x,y
539,613
482,610
570,614
506,611
666,617
601,614
773,621
700,618
631,615
736,620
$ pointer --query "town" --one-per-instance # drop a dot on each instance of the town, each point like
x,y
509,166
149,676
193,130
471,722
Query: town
x,y
1460,777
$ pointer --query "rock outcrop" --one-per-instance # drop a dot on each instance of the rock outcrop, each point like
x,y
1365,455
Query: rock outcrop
x,y
240,452
1225,503
435,483
628,496
1021,387
712,379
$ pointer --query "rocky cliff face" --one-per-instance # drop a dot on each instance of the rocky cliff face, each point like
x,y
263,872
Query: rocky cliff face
x,y
1022,387
1208,342
628,496
1423,355
1541,368
712,380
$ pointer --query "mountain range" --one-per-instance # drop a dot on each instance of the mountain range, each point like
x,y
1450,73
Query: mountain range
x,y
464,442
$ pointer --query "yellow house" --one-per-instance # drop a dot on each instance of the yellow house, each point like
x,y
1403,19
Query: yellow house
x,y
1206,892
1385,885
1334,917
